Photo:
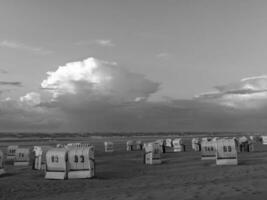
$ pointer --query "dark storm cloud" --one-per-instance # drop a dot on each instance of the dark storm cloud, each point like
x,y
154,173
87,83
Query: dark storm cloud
x,y
178,115
109,116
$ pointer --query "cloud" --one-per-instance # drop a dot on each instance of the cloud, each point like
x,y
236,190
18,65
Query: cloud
x,y
163,55
11,83
93,95
253,78
105,43
96,80
22,116
98,42
92,102
20,46
87,95
247,93
145,116
31,98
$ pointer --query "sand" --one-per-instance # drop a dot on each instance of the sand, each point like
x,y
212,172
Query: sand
x,y
122,175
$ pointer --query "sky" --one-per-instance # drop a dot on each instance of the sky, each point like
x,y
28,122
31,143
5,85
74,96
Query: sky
x,y
127,66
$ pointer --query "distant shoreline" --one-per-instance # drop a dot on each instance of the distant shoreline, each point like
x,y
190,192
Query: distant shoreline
x,y
48,136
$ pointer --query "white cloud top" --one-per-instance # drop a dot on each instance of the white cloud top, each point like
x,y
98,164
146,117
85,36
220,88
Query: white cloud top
x,y
94,79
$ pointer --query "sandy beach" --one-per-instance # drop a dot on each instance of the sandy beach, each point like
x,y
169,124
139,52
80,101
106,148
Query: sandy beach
x,y
122,175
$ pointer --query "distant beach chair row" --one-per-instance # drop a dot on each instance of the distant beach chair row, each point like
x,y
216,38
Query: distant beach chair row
x,y
223,150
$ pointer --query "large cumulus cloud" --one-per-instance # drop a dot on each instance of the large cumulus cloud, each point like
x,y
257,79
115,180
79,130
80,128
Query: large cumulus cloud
x,y
95,80
98,95
88,95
